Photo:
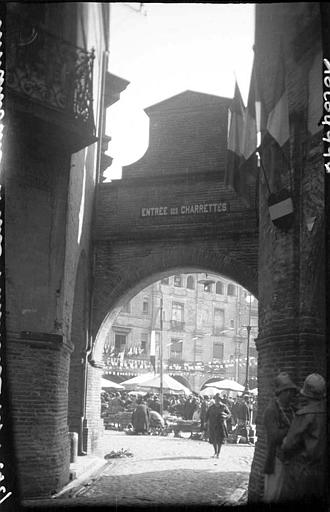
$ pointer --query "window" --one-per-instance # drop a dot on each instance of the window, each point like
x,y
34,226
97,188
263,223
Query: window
x,y
177,311
178,281
165,280
144,341
126,308
219,320
145,306
120,342
231,290
232,324
191,283
176,349
177,316
218,351
219,288
207,288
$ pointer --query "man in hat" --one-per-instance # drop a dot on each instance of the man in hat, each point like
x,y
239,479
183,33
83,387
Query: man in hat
x,y
305,446
241,415
141,417
278,417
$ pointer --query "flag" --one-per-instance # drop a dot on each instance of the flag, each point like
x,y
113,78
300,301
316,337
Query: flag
x,y
250,121
121,356
236,114
248,167
315,96
153,343
278,116
153,350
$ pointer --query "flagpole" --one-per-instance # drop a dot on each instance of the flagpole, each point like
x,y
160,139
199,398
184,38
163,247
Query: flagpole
x,y
161,356
264,172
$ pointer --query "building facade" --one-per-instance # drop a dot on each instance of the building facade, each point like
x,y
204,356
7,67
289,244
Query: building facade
x,y
289,48
204,331
57,88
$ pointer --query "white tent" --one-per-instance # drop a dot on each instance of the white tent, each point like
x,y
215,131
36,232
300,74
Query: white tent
x,y
136,381
169,384
105,383
226,384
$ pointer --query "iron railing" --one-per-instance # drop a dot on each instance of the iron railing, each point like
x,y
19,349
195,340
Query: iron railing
x,y
49,70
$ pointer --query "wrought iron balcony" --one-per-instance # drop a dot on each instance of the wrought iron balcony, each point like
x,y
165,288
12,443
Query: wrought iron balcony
x,y
51,73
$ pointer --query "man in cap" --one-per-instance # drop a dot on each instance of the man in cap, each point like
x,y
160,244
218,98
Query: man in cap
x,y
278,417
305,446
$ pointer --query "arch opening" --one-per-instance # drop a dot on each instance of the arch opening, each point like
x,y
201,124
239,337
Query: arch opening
x,y
203,333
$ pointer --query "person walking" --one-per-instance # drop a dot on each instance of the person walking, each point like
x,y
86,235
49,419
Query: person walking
x,y
141,418
241,414
304,447
216,416
278,417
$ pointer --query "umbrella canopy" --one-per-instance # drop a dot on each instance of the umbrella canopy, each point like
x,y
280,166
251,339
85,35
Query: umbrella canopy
x,y
105,383
226,384
137,393
136,381
209,391
169,384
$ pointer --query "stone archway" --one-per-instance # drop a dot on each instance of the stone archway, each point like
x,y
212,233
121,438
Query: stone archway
x,y
112,290
117,289
181,379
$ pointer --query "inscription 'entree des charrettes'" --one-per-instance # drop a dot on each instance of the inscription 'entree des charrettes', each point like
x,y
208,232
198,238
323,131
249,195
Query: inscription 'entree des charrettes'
x,y
189,209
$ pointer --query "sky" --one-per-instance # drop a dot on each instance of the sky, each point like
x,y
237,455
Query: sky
x,y
165,49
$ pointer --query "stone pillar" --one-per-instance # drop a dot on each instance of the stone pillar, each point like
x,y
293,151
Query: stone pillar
x,y
94,426
291,259
38,369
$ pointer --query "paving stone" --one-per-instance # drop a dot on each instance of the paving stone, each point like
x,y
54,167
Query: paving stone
x,y
167,471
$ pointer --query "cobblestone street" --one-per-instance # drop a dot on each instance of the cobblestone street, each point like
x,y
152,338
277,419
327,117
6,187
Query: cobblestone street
x,y
165,470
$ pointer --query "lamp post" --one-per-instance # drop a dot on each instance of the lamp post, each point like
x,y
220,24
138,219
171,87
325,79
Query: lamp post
x,y
249,299
161,357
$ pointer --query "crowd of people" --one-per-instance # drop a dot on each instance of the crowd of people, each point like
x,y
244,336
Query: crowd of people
x,y
294,422
240,411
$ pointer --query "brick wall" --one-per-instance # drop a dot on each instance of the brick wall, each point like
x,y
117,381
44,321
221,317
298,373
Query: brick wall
x,y
37,353
291,263
38,385
184,165
188,133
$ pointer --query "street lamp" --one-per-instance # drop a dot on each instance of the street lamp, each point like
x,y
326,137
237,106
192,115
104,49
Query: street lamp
x,y
249,299
161,357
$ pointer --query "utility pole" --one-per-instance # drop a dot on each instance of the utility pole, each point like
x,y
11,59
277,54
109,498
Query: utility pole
x,y
248,328
161,357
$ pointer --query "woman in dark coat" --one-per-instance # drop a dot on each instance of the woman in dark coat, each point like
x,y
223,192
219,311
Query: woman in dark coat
x,y
216,416
140,418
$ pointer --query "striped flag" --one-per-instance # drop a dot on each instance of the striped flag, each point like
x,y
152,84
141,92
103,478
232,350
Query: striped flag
x,y
275,147
250,121
278,116
248,166
236,115
153,350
